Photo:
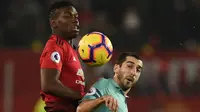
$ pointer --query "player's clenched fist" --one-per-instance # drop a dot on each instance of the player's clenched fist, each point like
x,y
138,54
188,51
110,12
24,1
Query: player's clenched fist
x,y
111,103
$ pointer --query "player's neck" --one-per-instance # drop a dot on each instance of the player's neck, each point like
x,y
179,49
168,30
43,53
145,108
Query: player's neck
x,y
118,82
61,35
127,91
70,42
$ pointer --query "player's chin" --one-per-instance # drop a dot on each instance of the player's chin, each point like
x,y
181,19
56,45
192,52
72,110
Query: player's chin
x,y
74,33
126,87
128,84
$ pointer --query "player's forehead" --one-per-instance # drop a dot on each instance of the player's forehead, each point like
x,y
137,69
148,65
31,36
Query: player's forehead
x,y
133,60
68,10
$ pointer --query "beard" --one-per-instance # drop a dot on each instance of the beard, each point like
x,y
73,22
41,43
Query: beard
x,y
123,82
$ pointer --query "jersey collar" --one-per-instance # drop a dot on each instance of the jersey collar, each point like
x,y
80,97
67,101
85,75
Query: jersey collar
x,y
57,36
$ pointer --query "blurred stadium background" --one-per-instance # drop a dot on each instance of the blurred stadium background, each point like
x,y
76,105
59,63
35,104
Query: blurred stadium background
x,y
165,32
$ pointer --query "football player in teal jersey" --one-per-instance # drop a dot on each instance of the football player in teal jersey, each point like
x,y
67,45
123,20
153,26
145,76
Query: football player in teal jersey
x,y
109,95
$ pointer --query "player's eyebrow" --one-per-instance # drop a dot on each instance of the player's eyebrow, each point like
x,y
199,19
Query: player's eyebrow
x,y
139,66
70,12
130,62
66,12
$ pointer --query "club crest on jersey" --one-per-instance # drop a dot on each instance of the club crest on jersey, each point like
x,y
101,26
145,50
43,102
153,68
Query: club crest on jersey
x,y
92,91
55,57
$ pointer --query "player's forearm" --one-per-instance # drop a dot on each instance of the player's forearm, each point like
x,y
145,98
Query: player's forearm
x,y
58,89
89,105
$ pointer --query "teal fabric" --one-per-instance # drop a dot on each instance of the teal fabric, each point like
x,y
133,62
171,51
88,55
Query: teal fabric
x,y
107,87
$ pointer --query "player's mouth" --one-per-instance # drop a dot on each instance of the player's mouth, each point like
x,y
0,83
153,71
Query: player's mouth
x,y
131,79
76,28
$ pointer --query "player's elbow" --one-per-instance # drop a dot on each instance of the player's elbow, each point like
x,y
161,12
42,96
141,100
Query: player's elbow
x,y
83,107
49,80
47,87
79,109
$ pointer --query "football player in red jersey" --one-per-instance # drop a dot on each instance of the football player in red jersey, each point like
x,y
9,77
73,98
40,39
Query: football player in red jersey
x,y
62,78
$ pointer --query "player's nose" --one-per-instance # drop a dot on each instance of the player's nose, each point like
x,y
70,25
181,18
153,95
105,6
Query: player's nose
x,y
133,71
75,20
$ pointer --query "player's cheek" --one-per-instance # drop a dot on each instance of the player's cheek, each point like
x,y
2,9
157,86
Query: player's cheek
x,y
138,76
69,28
136,79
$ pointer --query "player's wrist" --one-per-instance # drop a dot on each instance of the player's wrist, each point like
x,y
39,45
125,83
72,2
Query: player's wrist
x,y
102,99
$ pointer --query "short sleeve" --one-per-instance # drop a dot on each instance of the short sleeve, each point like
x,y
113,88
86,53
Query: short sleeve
x,y
52,58
96,91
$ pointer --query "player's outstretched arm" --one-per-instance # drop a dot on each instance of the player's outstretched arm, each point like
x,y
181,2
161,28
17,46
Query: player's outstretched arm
x,y
89,105
51,84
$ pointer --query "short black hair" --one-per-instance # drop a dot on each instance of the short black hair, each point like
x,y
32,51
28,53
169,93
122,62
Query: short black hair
x,y
58,5
122,57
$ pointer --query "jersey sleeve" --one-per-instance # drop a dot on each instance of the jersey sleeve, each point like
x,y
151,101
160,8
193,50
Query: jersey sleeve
x,y
96,91
52,57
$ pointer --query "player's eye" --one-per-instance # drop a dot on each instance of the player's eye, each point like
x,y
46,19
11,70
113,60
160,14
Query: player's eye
x,y
139,70
130,66
67,16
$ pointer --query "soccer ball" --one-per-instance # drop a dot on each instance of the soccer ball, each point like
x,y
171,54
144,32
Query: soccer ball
x,y
95,49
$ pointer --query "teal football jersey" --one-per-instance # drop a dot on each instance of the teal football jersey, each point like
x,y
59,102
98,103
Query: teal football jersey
x,y
107,87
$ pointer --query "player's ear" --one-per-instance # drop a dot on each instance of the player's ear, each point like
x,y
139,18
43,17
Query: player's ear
x,y
53,23
116,68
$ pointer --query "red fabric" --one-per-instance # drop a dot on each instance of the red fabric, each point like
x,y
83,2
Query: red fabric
x,y
58,54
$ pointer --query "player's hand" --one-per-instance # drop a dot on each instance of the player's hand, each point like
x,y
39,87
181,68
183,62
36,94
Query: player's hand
x,y
111,103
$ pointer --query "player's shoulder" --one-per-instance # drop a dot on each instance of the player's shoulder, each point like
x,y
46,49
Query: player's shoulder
x,y
102,79
54,42
101,83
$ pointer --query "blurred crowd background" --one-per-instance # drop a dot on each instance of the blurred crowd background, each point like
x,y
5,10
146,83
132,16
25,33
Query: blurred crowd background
x,y
165,32
163,24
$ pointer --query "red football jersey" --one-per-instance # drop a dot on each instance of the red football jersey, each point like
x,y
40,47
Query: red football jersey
x,y
59,54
